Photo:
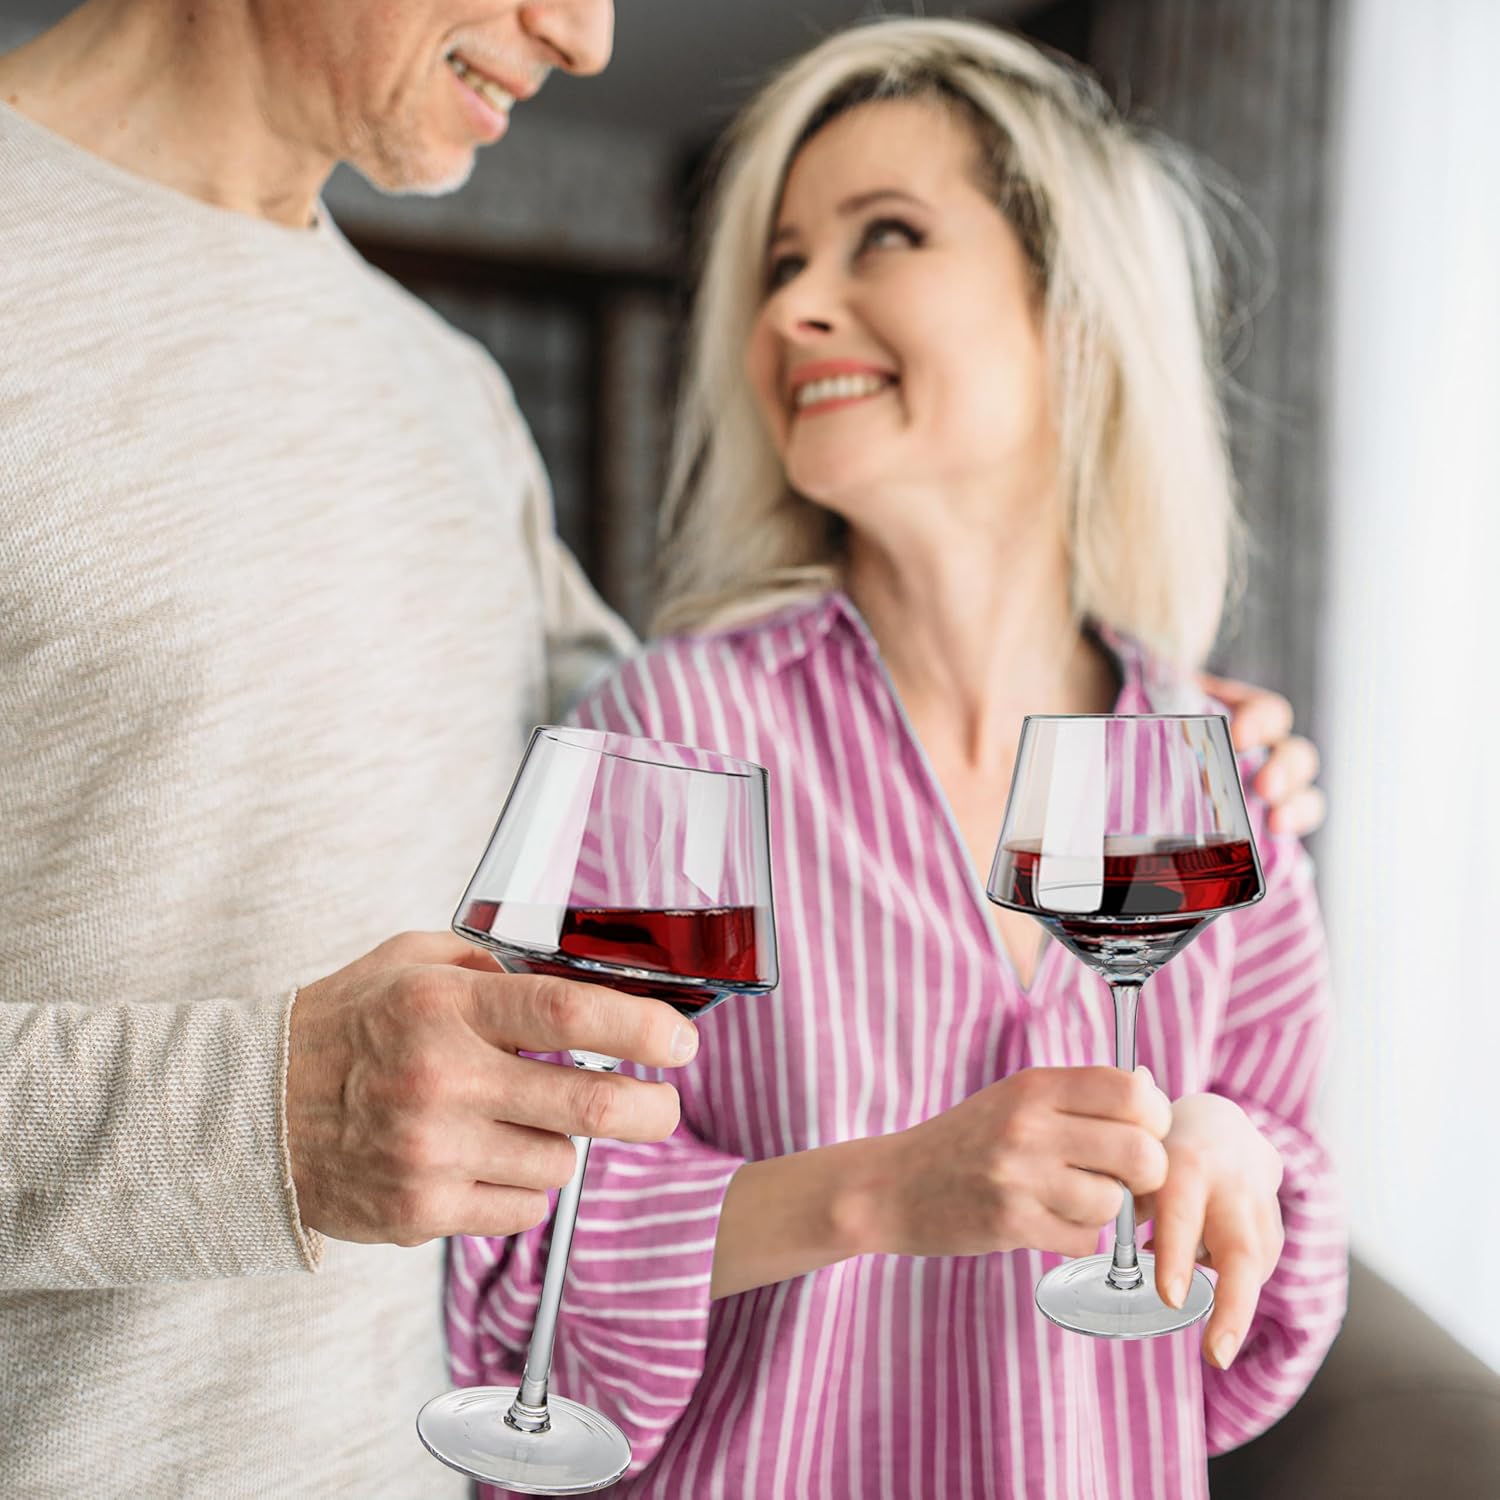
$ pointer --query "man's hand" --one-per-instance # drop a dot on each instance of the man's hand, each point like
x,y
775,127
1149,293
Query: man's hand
x,y
1219,1205
410,1115
1259,719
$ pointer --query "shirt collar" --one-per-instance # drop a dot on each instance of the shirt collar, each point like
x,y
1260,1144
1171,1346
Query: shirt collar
x,y
1148,683
794,633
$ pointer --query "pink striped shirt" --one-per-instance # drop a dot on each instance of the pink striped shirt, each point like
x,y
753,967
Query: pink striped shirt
x,y
889,1375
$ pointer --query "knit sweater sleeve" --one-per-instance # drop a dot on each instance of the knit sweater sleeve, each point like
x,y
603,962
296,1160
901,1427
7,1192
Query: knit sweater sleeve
x,y
143,1143
584,637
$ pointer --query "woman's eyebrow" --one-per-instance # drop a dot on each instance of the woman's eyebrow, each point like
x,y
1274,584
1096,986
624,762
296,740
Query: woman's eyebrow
x,y
854,204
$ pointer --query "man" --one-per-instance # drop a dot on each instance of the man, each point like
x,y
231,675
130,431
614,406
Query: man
x,y
280,601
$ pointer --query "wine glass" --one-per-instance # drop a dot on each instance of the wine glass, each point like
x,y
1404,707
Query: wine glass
x,y
639,865
1124,836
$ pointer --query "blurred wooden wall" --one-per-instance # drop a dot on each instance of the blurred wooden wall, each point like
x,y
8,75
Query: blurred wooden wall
x,y
1250,85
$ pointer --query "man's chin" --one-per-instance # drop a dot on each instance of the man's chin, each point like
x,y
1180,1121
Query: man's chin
x,y
425,180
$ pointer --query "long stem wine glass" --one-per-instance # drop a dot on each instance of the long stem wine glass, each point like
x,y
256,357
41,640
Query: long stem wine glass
x,y
645,867
1124,836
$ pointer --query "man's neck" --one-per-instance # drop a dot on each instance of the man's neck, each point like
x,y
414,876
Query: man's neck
x,y
175,93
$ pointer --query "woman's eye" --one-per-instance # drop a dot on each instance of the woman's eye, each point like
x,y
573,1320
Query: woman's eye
x,y
882,234
781,270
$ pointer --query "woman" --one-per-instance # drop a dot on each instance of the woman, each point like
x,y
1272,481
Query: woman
x,y
951,453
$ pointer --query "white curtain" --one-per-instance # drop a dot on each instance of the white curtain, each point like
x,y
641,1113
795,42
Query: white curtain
x,y
1411,856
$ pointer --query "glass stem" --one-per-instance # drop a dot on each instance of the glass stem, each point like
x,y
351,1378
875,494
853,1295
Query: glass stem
x,y
1125,1269
528,1412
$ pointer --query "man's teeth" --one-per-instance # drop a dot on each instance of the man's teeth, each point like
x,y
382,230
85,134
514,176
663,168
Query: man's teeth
x,y
486,88
838,388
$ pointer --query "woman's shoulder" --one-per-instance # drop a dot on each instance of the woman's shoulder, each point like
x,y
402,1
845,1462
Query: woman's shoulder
x,y
676,682
742,649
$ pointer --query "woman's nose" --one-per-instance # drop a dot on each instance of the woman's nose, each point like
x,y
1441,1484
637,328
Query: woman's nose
x,y
807,304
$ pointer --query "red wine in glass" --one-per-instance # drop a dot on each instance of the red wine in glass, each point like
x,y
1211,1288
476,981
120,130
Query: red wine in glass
x,y
1124,836
1147,895
692,958
642,867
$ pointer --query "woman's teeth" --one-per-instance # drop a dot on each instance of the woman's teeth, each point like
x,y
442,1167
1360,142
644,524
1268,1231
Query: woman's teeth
x,y
486,88
838,388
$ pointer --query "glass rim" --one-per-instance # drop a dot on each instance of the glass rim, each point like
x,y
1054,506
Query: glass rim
x,y
1130,718
591,739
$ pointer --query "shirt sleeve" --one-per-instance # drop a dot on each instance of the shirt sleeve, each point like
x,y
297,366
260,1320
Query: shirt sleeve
x,y
145,1143
1270,1058
635,1334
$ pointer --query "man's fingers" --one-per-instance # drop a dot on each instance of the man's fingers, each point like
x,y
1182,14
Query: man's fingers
x,y
490,1212
505,1154
576,1101
422,949
1235,1298
1179,1211
477,959
525,1013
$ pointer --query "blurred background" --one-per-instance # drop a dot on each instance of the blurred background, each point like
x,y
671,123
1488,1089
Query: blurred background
x,y
1364,138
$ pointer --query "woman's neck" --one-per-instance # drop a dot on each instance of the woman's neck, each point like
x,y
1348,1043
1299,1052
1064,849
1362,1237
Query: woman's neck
x,y
977,634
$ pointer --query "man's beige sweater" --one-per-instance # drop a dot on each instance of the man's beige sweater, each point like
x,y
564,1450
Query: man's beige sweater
x,y
279,600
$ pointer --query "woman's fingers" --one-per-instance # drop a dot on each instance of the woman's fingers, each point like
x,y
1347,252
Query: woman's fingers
x,y
1179,1210
1302,814
1103,1093
1241,1276
1064,1237
1291,767
1086,1199
1131,1154
1257,718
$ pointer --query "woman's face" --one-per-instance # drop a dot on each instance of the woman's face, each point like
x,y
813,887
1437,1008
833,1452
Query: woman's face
x,y
898,347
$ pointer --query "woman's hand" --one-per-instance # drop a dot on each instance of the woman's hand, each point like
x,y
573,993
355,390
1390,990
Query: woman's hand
x,y
1218,1204
1034,1161
1261,719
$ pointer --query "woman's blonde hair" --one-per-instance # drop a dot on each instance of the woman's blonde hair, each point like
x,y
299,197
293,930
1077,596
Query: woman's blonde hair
x,y
1116,227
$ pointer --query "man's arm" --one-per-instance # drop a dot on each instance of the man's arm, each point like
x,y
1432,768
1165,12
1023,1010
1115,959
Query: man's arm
x,y
584,637
387,1102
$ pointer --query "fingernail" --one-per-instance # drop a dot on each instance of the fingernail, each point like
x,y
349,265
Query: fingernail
x,y
1222,1349
684,1042
1150,1078
1176,1290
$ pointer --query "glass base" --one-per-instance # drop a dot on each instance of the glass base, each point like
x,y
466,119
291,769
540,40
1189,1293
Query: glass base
x,y
1077,1296
580,1452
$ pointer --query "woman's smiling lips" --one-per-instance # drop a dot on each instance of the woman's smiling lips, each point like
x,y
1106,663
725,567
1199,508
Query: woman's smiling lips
x,y
832,383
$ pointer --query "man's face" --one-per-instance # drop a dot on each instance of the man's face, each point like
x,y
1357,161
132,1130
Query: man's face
x,y
406,91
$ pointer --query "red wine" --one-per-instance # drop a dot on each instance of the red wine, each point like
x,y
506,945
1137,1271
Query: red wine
x,y
1146,901
703,955
1147,877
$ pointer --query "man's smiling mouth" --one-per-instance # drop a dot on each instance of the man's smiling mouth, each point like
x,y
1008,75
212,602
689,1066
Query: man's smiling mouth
x,y
481,83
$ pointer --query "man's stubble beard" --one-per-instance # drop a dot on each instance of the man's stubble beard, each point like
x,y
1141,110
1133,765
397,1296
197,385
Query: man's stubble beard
x,y
397,169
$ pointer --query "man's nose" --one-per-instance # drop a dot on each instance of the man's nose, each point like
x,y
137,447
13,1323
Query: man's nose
x,y
580,34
